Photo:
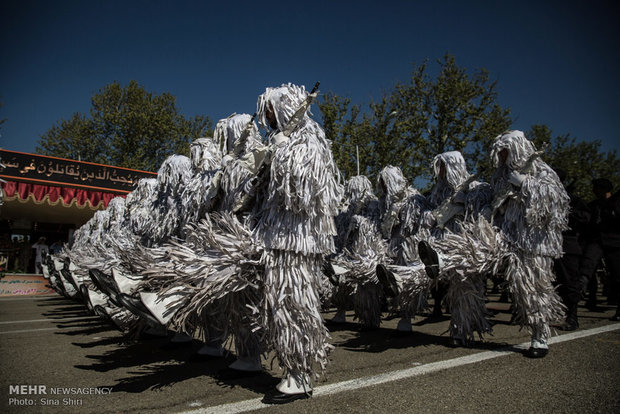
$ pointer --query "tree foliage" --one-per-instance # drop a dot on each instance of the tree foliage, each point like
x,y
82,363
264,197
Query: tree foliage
x,y
582,161
416,121
127,127
340,125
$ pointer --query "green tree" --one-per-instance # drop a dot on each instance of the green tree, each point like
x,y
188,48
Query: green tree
x,y
418,120
340,126
128,127
582,161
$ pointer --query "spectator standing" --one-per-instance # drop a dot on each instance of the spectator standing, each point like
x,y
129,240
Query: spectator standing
x,y
41,248
606,224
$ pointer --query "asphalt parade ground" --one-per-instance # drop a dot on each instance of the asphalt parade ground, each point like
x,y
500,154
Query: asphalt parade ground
x,y
56,358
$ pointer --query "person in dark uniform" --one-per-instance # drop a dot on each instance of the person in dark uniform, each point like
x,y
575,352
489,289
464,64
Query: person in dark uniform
x,y
568,267
606,223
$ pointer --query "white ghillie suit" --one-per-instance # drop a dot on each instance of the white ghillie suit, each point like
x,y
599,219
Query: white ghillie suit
x,y
413,221
412,280
140,203
297,228
244,148
213,266
465,293
140,217
158,218
210,281
152,215
85,248
219,168
126,229
111,231
79,249
80,238
86,252
215,186
361,248
394,197
333,293
530,213
172,177
475,199
116,236
531,220
419,223
393,192
195,197
186,190
274,268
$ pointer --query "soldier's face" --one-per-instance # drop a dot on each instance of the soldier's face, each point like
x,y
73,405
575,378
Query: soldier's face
x,y
271,117
382,187
503,156
442,170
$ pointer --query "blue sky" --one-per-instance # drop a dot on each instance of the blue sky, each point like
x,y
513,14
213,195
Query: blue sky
x,y
556,62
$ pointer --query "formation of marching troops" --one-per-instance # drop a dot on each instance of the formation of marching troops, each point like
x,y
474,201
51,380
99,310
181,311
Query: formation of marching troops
x,y
244,242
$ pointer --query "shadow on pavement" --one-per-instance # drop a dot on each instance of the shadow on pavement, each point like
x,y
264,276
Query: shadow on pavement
x,y
135,354
157,365
68,312
113,340
166,374
85,329
383,339
159,370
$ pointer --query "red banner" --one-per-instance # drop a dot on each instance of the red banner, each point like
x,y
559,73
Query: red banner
x,y
54,195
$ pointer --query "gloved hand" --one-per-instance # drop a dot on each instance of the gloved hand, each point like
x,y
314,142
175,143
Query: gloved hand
x,y
279,139
516,178
459,198
226,159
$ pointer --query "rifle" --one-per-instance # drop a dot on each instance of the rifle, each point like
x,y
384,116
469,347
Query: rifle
x,y
241,142
298,116
447,209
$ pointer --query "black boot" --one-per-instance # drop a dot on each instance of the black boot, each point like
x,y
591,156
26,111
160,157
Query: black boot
x,y
387,280
570,324
429,257
328,270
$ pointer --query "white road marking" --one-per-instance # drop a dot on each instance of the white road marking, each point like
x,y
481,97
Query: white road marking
x,y
28,321
354,384
25,297
51,320
28,330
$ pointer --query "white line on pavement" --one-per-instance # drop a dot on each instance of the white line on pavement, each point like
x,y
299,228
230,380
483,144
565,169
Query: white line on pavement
x,y
25,297
52,320
354,384
28,330
28,321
